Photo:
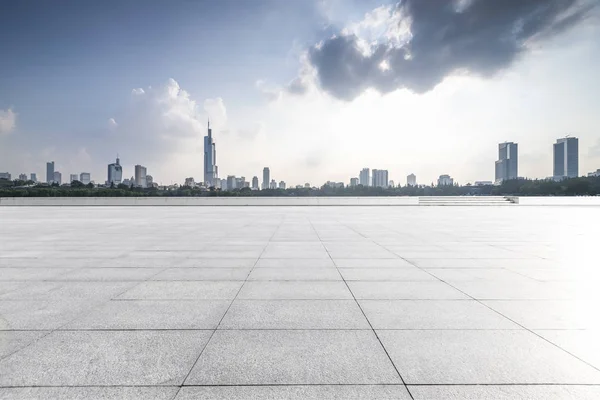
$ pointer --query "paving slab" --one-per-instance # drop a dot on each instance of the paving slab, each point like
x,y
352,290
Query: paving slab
x,y
85,393
320,392
294,314
104,358
293,357
153,314
186,290
506,392
295,290
433,314
482,357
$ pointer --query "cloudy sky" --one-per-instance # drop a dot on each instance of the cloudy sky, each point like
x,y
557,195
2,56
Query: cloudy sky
x,y
314,89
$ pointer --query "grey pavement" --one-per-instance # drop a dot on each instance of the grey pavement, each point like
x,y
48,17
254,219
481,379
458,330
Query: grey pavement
x,y
354,302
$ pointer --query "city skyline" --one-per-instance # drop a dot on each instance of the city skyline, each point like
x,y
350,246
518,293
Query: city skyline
x,y
285,108
565,165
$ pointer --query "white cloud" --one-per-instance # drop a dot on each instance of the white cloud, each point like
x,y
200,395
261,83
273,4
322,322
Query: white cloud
x,y
112,123
215,108
8,121
137,91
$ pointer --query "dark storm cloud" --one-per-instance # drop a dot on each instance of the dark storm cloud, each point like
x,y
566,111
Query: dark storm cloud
x,y
480,38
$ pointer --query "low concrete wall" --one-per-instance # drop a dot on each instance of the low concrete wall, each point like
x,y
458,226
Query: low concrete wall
x,y
558,200
209,201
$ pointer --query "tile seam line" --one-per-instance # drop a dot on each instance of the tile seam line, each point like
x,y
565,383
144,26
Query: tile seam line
x,y
228,308
362,311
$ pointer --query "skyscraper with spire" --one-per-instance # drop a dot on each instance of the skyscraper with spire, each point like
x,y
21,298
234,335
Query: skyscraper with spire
x,y
210,160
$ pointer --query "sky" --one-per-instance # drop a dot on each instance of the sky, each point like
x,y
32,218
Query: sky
x,y
314,89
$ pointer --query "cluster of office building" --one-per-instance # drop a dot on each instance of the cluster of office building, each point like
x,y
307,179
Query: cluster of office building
x,y
565,165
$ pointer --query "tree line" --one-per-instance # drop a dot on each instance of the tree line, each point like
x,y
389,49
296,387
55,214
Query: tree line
x,y
584,186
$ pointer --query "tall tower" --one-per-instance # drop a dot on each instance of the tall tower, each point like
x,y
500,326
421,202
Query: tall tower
x,y
50,172
210,160
507,166
566,158
266,178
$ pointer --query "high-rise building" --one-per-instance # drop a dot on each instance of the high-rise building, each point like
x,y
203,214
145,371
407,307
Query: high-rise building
x,y
445,180
50,172
5,175
115,173
266,178
140,176
73,177
566,158
57,178
282,185
255,183
353,182
507,166
380,178
273,184
211,171
85,178
364,178
33,177
411,180
22,177
222,183
231,182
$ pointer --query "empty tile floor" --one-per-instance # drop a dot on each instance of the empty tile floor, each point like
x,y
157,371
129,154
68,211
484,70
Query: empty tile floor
x,y
299,302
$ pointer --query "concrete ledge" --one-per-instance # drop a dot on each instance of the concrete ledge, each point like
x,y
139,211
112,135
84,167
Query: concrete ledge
x,y
209,201
558,200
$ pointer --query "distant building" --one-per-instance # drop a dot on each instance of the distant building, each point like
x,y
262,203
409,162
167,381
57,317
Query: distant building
x,y
380,178
231,182
5,175
255,183
411,180
594,174
50,172
507,166
57,178
85,178
282,185
140,176
445,180
149,181
353,182
22,177
266,177
211,171
364,178
307,185
33,177
566,158
73,177
223,184
115,173
240,182
189,182
334,184
273,184
391,184
483,183
127,182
